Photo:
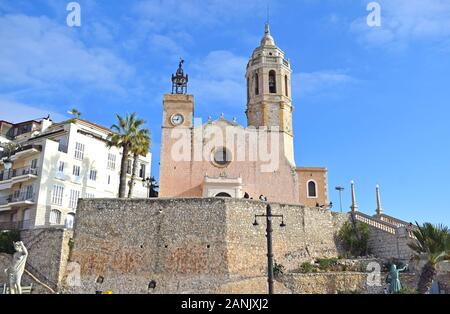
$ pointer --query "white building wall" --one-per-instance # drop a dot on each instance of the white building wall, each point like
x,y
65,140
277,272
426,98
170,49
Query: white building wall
x,y
95,157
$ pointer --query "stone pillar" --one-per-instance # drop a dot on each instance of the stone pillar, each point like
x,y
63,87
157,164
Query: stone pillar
x,y
354,206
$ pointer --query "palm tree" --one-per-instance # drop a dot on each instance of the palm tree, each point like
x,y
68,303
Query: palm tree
x,y
122,137
433,243
139,147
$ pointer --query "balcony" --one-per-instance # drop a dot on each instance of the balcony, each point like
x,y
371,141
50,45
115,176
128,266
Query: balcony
x,y
18,174
15,225
26,151
17,199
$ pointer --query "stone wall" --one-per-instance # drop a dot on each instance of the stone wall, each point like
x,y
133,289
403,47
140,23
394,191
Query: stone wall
x,y
191,245
48,251
341,282
387,245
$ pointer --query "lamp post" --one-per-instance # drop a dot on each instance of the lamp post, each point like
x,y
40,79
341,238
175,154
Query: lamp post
x,y
269,217
151,185
340,189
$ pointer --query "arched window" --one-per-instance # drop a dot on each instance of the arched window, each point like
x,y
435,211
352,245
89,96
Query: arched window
x,y
286,85
272,82
55,217
256,84
312,189
70,220
223,195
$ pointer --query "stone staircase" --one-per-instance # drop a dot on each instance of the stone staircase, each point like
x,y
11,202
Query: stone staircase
x,y
387,224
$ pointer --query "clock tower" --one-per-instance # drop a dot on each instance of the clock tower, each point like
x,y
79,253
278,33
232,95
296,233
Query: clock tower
x,y
178,108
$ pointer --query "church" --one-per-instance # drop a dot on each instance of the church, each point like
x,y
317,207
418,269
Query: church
x,y
224,159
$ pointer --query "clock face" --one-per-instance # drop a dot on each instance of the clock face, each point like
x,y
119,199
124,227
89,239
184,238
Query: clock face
x,y
177,119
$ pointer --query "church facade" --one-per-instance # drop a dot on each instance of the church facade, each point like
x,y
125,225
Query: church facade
x,y
224,159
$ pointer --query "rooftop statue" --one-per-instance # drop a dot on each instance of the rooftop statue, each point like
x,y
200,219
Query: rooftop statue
x,y
15,271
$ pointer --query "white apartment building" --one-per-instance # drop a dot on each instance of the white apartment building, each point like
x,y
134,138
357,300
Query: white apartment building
x,y
54,166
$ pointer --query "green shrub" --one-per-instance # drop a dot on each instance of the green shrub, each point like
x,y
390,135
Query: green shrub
x,y
6,241
327,264
355,238
307,267
278,270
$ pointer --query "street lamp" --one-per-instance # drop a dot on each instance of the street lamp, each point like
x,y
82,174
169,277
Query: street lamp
x,y
340,189
269,217
151,185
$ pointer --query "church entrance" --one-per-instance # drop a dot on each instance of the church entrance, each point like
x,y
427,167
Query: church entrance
x,y
223,195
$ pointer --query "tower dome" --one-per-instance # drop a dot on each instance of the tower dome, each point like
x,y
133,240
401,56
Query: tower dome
x,y
267,39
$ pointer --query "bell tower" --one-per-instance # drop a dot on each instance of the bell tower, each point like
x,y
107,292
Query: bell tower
x,y
269,102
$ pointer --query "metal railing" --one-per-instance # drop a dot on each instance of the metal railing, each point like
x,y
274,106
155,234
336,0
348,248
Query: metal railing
x,y
13,173
23,196
15,225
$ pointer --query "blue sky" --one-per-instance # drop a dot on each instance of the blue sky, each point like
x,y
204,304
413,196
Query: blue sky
x,y
371,104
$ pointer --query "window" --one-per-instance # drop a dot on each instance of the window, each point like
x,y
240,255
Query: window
x,y
55,217
76,171
142,171
312,189
272,82
70,220
286,85
34,164
256,84
26,218
111,161
29,192
89,195
57,194
109,179
79,151
93,175
61,167
74,196
222,157
129,166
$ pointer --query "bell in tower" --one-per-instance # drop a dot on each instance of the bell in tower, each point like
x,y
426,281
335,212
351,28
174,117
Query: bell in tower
x,y
179,80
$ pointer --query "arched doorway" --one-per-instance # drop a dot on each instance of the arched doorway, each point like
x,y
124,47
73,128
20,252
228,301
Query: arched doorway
x,y
223,194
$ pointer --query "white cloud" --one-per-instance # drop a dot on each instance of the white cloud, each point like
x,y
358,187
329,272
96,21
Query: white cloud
x,y
317,82
195,13
166,44
404,21
38,53
13,111
220,77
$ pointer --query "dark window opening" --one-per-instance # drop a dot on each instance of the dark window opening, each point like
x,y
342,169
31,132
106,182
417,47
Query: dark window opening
x,y
272,82
256,84
312,189
286,83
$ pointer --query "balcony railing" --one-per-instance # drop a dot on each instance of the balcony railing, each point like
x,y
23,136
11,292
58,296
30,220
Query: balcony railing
x,y
12,173
17,198
15,225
